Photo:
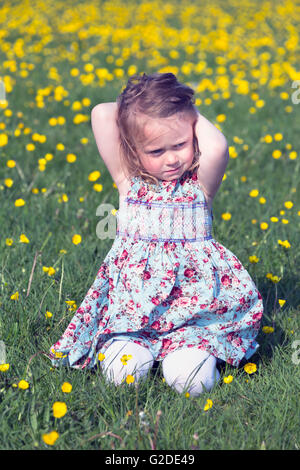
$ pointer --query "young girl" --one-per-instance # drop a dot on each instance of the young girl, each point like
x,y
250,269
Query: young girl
x,y
167,290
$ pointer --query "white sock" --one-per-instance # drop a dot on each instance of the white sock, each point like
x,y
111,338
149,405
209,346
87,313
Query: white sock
x,y
191,370
116,370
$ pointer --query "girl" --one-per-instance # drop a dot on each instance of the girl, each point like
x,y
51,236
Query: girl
x,y
167,290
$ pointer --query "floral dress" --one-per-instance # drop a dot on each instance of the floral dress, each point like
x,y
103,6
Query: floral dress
x,y
165,284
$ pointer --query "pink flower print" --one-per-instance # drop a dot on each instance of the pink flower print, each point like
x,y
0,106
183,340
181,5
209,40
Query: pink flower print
x,y
194,300
183,301
80,310
242,300
155,325
130,305
124,255
87,318
189,272
226,280
142,191
155,301
237,265
95,294
146,275
145,320
166,343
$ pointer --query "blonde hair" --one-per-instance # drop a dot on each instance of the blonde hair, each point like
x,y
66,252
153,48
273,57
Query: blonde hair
x,y
156,96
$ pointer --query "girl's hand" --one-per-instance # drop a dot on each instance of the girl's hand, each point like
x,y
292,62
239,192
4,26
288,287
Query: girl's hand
x,y
214,155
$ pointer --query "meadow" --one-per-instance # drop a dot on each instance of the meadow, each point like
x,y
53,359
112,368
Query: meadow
x,y
57,61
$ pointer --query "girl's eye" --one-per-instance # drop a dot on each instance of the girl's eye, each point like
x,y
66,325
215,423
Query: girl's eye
x,y
179,145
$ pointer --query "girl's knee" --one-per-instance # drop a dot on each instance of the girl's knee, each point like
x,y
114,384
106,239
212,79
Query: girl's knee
x,y
190,370
124,358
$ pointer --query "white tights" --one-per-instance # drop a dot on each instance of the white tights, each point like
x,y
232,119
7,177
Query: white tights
x,y
187,369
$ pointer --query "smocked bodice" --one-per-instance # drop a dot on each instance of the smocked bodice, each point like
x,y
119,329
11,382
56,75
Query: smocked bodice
x,y
169,211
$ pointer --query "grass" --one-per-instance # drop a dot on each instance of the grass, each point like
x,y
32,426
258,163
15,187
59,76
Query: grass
x,y
257,411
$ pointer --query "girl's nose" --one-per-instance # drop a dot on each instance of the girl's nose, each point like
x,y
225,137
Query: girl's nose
x,y
172,158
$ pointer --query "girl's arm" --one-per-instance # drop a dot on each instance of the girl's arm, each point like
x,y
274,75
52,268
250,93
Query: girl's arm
x,y
106,133
214,155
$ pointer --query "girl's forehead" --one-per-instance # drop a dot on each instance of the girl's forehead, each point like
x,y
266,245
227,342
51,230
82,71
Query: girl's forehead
x,y
156,128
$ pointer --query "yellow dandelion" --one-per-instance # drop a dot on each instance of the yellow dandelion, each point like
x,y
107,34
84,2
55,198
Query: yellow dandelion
x,y
226,216
278,136
187,395
30,147
48,314
274,219
254,193
250,368
4,367
98,187
276,154
76,239
8,182
125,358
23,238
101,357
253,259
3,140
50,438
94,175
268,138
228,379
208,404
268,329
9,241
293,155
129,379
264,225
71,158
19,202
281,302
59,409
15,296
288,204
23,384
66,387
11,163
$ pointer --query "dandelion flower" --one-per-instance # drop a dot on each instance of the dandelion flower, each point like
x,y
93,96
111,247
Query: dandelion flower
x,y
129,379
50,438
23,238
281,302
125,358
15,296
94,175
250,368
254,193
228,379
66,387
23,384
226,216
4,367
208,404
253,259
76,239
19,202
59,409
268,329
101,357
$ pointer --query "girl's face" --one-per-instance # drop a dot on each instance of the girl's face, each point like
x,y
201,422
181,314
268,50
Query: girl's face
x,y
167,150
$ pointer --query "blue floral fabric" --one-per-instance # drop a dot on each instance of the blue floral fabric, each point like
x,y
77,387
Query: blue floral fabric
x,y
165,284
